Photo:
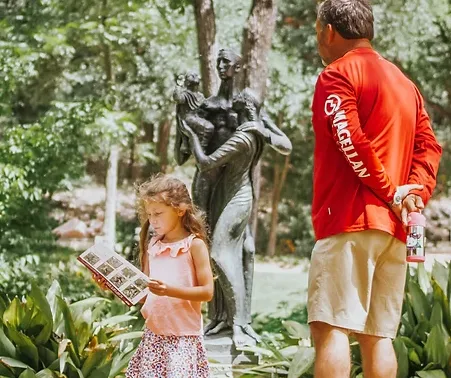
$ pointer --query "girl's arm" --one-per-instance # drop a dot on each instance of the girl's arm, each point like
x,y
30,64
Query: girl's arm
x,y
201,293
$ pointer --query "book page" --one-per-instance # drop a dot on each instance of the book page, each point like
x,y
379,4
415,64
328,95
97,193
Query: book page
x,y
124,276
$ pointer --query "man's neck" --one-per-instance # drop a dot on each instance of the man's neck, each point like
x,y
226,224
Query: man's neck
x,y
352,44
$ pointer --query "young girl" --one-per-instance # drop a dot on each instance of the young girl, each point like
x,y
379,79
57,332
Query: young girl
x,y
178,262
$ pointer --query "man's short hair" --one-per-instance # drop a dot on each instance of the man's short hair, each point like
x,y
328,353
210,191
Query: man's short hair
x,y
353,19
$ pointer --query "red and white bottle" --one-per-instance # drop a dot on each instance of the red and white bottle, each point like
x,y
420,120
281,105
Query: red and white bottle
x,y
416,223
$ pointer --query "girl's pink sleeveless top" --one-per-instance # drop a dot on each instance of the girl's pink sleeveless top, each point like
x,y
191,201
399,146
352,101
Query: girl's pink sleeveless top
x,y
172,264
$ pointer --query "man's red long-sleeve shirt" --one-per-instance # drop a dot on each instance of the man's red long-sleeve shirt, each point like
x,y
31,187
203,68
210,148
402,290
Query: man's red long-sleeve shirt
x,y
372,134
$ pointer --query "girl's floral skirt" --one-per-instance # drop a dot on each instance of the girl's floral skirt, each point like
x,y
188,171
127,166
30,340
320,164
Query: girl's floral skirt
x,y
169,357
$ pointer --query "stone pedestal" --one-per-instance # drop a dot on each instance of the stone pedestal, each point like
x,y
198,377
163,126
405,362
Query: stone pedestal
x,y
223,356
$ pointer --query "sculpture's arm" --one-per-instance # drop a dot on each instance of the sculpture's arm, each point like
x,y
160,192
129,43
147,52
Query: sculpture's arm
x,y
180,139
235,146
277,138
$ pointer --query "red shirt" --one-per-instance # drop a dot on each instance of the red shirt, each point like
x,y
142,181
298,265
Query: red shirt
x,y
372,134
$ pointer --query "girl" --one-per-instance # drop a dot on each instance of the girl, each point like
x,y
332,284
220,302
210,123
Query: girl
x,y
178,262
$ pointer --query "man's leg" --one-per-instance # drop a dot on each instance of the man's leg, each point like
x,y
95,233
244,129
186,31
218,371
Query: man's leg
x,y
332,351
378,355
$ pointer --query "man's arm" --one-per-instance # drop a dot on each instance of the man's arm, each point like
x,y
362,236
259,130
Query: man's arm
x,y
340,107
426,154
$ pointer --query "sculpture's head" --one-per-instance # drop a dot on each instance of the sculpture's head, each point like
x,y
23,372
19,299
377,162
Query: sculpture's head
x,y
192,81
228,63
248,103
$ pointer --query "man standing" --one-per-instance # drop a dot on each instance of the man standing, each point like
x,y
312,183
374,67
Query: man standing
x,y
376,159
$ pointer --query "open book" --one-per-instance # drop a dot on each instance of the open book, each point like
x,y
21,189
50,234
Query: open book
x,y
121,277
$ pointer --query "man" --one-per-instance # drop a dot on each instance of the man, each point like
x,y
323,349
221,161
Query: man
x,y
375,160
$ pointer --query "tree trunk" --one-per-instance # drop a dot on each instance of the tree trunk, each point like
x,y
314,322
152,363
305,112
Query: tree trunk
x,y
257,38
149,128
109,227
163,143
131,162
279,181
206,41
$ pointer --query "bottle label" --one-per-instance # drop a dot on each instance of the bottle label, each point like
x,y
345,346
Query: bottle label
x,y
415,241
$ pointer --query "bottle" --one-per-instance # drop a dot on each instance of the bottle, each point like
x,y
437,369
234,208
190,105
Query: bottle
x,y
416,222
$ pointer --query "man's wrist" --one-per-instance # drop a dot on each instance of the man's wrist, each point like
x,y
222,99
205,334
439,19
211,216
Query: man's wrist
x,y
396,199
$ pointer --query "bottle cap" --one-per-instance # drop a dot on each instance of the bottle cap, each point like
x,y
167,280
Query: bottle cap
x,y
416,219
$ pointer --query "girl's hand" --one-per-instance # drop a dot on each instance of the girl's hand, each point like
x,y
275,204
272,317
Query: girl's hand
x,y
159,288
100,281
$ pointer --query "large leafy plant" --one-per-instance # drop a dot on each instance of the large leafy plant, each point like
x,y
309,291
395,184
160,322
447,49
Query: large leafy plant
x,y
43,336
422,345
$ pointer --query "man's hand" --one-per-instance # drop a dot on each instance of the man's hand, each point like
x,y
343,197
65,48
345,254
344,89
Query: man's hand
x,y
412,203
409,202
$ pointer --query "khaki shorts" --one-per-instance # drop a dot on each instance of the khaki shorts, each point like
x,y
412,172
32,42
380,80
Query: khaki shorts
x,y
356,282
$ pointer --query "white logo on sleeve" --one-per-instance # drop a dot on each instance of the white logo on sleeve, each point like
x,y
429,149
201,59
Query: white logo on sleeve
x,y
345,142
332,104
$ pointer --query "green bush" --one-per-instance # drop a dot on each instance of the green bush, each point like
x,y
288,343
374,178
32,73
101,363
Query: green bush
x,y
422,345
43,336
49,262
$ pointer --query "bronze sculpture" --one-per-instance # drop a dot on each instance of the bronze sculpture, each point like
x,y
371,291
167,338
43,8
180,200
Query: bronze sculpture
x,y
223,188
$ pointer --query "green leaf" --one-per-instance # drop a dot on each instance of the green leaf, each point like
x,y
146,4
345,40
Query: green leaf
x,y
3,307
78,309
435,347
116,320
421,331
402,357
96,358
423,279
14,314
7,348
25,347
439,295
11,362
127,336
84,333
52,298
289,351
101,372
414,357
27,374
431,374
45,317
74,356
296,330
6,372
46,373
302,361
63,360
120,361
69,325
440,274
419,302
46,355
437,314
102,337
411,344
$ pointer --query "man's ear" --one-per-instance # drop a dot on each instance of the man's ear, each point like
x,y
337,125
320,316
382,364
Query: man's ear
x,y
331,33
181,212
237,67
